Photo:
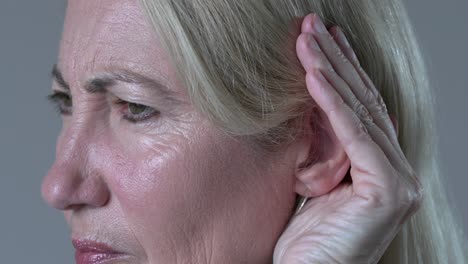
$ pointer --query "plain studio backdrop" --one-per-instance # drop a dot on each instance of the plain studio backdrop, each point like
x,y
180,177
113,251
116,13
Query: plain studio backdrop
x,y
31,232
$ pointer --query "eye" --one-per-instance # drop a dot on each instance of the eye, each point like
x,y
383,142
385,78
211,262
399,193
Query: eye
x,y
134,112
61,101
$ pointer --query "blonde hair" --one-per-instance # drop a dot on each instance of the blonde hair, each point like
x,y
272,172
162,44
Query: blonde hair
x,y
238,63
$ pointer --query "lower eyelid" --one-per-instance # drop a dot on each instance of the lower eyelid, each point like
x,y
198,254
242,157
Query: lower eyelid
x,y
141,117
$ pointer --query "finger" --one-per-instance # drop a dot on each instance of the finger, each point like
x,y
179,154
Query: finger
x,y
312,57
312,60
363,143
348,72
378,107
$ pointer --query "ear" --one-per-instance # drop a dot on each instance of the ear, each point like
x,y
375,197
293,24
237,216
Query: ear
x,y
321,161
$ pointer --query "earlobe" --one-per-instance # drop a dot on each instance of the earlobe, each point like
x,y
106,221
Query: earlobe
x,y
322,177
328,161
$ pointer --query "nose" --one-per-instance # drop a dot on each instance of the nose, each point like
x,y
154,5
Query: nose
x,y
75,180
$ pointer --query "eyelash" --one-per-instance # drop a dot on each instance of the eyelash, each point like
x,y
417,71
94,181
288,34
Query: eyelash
x,y
59,100
148,113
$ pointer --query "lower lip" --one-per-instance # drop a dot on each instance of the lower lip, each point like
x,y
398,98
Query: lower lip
x,y
95,257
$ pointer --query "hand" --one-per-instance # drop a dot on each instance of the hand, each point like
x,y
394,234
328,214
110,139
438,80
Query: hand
x,y
355,222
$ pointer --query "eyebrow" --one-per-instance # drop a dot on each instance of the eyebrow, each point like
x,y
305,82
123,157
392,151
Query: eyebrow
x,y
101,83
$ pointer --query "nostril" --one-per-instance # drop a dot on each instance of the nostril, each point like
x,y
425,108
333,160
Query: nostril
x,y
76,178
94,191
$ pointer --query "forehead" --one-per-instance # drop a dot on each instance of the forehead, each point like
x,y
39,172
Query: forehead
x,y
104,34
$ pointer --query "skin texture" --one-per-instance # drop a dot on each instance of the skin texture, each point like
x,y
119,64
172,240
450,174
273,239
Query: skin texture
x,y
175,189
171,189
355,221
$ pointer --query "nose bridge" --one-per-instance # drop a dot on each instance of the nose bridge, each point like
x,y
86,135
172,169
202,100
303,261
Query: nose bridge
x,y
74,139
74,179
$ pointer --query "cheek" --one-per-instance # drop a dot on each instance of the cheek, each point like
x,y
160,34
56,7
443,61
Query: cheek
x,y
174,186
150,167
169,184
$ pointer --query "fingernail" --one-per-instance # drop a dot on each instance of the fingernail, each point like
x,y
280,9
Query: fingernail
x,y
318,25
343,38
312,42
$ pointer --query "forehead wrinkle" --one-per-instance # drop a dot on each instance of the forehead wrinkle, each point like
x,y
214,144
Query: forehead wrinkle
x,y
104,39
127,76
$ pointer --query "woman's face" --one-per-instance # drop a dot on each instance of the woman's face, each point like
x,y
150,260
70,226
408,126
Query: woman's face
x,y
162,185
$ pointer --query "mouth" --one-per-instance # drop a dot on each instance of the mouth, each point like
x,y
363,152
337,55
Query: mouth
x,y
92,252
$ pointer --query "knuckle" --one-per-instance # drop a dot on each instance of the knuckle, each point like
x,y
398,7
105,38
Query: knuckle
x,y
363,131
410,205
339,53
380,106
418,199
342,57
362,112
381,109
416,193
375,100
414,197
327,66
399,205
368,95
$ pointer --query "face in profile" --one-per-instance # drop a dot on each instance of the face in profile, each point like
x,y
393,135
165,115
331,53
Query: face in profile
x,y
138,171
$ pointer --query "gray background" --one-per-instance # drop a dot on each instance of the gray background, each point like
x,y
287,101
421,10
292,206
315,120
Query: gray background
x,y
31,232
